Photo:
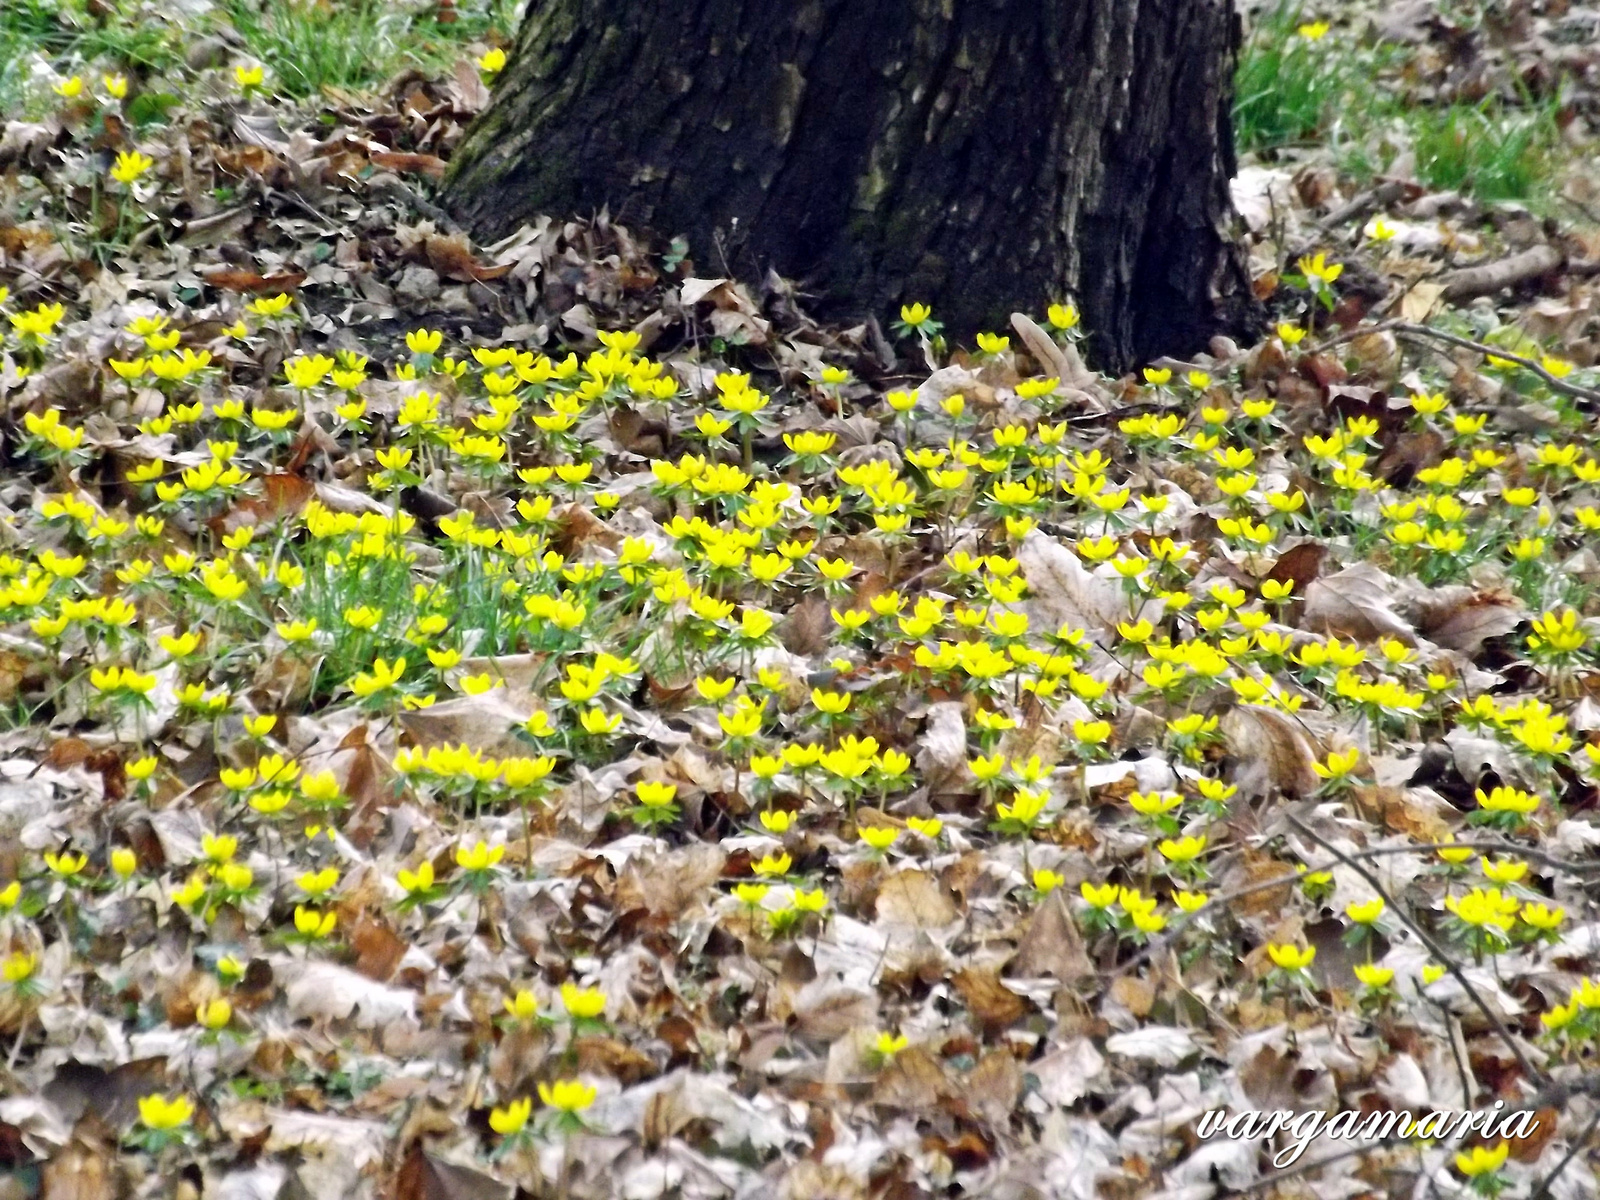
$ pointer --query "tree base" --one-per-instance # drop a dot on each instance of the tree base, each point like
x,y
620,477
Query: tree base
x,y
981,157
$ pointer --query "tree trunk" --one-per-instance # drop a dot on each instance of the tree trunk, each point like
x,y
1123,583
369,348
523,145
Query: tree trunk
x,y
982,156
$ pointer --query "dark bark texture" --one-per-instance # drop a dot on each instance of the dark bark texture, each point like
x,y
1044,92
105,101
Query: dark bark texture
x,y
979,155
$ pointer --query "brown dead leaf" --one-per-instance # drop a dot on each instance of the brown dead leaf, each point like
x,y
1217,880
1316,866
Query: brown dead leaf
x,y
378,948
827,1009
913,1081
1272,752
1062,591
995,1006
232,279
1401,811
1408,453
915,899
806,628
1529,1149
86,1167
667,883
430,165
1051,945
1134,994
1257,868
451,256
1462,618
423,1177
1417,305
992,1089
608,1056
1357,602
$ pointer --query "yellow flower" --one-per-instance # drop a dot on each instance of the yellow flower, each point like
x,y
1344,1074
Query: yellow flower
x,y
777,821
1289,957
928,827
1101,896
116,85
1374,976
124,862
879,837
18,966
1366,912
248,77
1481,1160
1062,316
751,894
524,1006
888,1045
424,341
1504,871
157,1112
479,857
1542,916
773,864
567,1095
812,902
382,676
416,881
218,849
214,1014
313,924
1338,765
583,1003
317,883
1183,850
66,864
493,61
832,703
915,315
130,165
235,877
1313,31
69,89
1315,266
1046,881
512,1118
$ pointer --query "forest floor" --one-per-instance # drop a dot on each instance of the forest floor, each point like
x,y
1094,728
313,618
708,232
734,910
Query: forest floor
x,y
543,719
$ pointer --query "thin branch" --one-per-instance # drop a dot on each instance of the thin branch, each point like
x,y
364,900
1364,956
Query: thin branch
x,y
1579,1143
1415,332
1180,921
1528,1069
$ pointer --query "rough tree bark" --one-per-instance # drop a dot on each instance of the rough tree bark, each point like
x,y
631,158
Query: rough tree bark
x,y
980,155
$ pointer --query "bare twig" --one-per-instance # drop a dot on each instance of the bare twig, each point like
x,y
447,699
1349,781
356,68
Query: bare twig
x,y
1579,1143
1530,1071
1180,921
1487,278
1415,332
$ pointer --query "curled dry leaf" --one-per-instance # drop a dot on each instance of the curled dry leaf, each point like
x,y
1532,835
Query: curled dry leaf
x,y
1357,602
1062,591
1270,751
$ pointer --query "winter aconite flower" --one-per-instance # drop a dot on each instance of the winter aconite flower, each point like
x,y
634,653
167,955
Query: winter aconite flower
x,y
163,1115
1289,957
567,1095
130,166
512,1119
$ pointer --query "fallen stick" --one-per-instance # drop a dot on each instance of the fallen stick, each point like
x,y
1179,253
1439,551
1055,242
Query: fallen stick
x,y
1529,1071
1414,332
1488,278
